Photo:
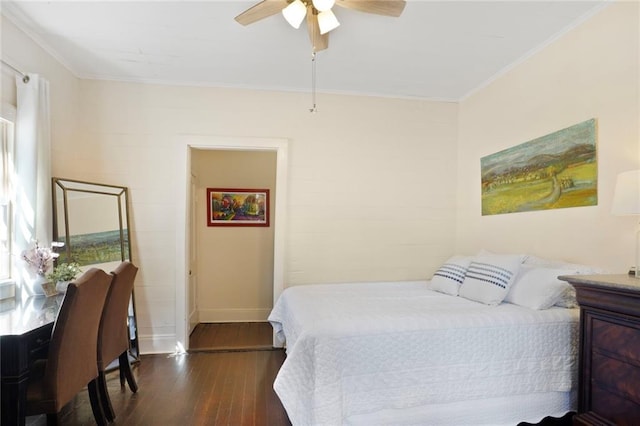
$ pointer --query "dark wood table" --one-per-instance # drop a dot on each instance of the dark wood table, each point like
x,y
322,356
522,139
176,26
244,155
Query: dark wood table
x,y
25,331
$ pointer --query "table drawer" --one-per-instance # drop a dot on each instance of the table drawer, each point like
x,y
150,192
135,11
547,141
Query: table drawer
x,y
38,343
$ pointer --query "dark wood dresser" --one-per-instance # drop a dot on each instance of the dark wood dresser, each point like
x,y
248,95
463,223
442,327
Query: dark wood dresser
x,y
609,360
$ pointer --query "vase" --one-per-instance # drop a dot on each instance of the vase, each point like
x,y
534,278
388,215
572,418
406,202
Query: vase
x,y
34,284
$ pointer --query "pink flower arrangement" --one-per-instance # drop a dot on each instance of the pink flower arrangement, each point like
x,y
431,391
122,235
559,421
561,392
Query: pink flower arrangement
x,y
40,258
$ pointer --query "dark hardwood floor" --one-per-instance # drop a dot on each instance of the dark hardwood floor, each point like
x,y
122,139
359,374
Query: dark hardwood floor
x,y
224,381
231,336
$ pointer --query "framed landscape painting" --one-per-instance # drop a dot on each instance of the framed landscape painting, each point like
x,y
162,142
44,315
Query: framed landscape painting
x,y
554,171
237,207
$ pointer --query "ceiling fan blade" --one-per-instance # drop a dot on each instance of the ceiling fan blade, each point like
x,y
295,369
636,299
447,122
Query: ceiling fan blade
x,y
318,41
261,10
378,7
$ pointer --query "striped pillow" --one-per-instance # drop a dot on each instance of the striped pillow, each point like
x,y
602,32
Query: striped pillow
x,y
489,278
450,276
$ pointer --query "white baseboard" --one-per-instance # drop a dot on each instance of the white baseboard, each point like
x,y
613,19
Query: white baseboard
x,y
193,321
166,343
157,344
233,315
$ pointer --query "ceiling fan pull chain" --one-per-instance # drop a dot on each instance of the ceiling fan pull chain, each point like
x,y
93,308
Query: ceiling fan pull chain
x,y
313,82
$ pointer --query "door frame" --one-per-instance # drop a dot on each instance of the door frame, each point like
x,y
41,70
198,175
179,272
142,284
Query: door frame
x,y
191,290
184,205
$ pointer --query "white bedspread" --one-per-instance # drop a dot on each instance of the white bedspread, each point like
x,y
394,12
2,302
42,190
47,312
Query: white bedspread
x,y
354,349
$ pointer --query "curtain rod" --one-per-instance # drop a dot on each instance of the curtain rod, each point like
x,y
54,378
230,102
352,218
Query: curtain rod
x,y
25,76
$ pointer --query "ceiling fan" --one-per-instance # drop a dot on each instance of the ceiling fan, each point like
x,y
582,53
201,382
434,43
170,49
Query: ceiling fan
x,y
320,18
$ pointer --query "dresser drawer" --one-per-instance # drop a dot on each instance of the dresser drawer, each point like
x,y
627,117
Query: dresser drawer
x,y
612,408
617,339
609,357
615,376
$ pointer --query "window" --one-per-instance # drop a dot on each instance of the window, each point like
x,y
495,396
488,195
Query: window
x,y
6,198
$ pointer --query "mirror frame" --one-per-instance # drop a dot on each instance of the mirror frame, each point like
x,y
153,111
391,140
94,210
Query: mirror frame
x,y
122,195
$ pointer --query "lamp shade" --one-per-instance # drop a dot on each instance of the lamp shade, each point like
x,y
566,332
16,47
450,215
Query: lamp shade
x,y
327,21
322,5
626,198
295,13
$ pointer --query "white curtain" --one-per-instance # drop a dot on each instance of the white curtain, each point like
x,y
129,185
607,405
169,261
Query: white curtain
x,y
33,219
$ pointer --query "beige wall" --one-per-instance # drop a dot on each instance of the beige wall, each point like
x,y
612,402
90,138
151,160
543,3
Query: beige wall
x,y
591,72
373,184
234,264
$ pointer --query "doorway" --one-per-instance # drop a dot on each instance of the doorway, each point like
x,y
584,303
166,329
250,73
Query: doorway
x,y
235,269
183,243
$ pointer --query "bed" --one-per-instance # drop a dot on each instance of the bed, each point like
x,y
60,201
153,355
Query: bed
x,y
401,353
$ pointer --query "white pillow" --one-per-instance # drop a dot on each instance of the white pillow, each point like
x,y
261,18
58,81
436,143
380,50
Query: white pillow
x,y
561,264
448,278
489,278
539,287
541,261
568,298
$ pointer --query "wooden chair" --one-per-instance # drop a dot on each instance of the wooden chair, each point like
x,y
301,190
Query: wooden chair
x,y
113,336
71,362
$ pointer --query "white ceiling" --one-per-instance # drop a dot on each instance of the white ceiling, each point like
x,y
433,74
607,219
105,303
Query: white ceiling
x,y
440,50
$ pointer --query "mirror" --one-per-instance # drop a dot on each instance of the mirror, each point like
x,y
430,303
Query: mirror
x,y
92,220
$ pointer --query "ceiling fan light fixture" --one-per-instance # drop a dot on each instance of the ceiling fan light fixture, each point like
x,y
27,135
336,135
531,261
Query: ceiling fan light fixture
x,y
327,21
295,13
323,5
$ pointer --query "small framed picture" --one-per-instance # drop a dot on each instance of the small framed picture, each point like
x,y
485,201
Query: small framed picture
x,y
237,207
49,289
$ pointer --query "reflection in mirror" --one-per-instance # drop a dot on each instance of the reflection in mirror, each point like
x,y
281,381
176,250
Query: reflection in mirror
x,y
92,221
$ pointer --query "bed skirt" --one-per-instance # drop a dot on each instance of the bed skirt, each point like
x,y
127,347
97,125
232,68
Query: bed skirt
x,y
507,411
